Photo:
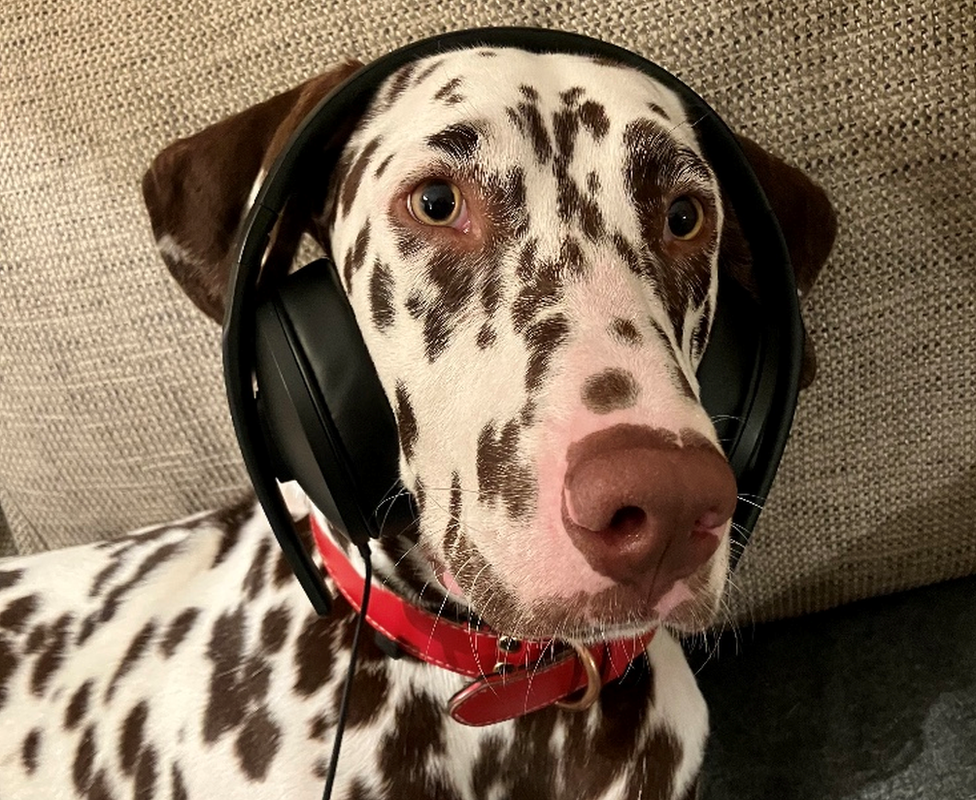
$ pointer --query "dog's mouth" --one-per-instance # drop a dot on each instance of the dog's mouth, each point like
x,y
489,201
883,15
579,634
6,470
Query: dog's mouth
x,y
617,612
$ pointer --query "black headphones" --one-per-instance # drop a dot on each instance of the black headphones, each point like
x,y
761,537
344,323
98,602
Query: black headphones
x,y
304,395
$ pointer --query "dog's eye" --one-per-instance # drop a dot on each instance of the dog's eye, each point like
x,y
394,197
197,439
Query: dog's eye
x,y
435,202
685,218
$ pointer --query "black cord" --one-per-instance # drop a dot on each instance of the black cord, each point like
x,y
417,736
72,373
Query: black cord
x,y
350,673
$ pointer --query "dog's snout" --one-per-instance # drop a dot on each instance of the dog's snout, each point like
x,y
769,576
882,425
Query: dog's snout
x,y
644,507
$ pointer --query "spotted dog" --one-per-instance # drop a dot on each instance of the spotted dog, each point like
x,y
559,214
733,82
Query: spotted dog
x,y
531,245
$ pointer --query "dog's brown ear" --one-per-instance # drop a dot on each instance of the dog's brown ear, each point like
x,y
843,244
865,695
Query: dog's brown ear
x,y
197,189
807,220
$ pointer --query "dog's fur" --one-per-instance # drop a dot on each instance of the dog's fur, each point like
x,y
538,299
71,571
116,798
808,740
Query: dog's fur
x,y
530,342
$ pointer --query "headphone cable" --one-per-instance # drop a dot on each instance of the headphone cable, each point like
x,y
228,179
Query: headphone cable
x,y
350,673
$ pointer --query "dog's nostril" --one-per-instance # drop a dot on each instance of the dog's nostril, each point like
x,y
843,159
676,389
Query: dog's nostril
x,y
627,520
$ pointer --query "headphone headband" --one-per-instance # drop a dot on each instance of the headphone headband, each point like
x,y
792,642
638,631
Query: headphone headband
x,y
749,375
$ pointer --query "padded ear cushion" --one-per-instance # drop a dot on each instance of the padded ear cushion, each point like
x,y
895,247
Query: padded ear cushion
x,y
323,408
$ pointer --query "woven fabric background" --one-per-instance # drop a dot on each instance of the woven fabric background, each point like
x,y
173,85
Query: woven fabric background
x,y
111,407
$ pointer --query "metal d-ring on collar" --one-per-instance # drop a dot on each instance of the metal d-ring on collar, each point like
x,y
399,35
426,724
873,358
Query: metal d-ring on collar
x,y
594,681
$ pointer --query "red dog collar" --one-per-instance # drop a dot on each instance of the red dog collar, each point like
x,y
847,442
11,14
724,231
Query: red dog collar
x,y
514,677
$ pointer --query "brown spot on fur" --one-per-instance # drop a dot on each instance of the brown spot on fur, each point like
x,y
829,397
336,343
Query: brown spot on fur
x,y
417,735
10,577
254,580
427,71
36,639
653,781
313,656
145,780
103,575
381,296
491,293
659,110
529,93
14,617
350,184
500,473
629,254
318,726
656,167
225,651
359,790
571,96
177,631
459,141
99,787
179,787
29,750
594,118
527,261
78,706
383,165
274,628
528,120
8,666
282,571
542,291
131,737
132,655
453,281
369,699
436,333
257,744
406,421
158,557
543,339
486,337
448,92
408,242
231,520
626,331
51,659
400,80
255,679
571,257
506,207
81,769
356,256
610,390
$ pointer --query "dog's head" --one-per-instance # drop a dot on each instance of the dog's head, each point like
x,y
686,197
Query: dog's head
x,y
531,245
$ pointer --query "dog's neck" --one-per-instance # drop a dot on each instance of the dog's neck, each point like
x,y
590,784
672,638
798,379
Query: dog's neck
x,y
400,565
524,676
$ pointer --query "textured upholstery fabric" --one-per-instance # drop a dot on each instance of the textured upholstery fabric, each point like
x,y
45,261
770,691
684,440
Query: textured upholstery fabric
x,y
111,407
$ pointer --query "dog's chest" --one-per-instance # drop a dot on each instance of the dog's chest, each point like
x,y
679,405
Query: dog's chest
x,y
185,662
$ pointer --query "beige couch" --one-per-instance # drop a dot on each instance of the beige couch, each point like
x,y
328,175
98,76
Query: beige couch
x,y
111,407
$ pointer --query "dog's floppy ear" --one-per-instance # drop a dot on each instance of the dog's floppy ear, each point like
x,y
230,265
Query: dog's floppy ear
x,y
197,189
807,220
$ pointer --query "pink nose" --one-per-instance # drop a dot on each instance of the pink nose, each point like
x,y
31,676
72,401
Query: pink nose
x,y
643,508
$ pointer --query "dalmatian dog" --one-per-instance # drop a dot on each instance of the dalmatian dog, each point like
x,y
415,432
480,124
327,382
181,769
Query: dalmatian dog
x,y
531,244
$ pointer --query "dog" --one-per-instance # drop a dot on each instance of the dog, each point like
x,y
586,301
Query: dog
x,y
531,244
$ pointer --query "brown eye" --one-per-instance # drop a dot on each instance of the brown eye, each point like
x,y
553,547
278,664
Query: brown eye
x,y
685,218
435,203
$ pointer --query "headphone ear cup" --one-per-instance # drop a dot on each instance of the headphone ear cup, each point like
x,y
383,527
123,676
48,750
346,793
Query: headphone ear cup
x,y
323,408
